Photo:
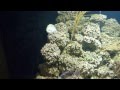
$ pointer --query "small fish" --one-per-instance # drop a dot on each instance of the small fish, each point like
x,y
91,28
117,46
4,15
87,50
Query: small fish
x,y
66,74
71,73
77,73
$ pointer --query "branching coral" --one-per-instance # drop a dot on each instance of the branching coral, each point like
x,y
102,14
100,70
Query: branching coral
x,y
79,15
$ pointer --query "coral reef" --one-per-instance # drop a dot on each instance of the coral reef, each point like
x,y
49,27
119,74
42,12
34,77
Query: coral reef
x,y
93,52
91,30
98,18
111,28
51,52
66,15
59,38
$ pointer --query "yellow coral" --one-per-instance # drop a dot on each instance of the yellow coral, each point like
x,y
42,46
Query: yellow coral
x,y
78,17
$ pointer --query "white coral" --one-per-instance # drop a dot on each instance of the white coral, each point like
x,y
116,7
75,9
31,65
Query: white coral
x,y
98,17
51,29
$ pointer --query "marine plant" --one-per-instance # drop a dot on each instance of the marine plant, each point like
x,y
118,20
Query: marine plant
x,y
79,16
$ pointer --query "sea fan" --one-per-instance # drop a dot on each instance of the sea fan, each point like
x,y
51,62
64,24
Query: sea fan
x,y
79,15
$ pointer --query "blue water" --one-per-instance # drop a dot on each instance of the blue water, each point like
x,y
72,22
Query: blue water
x,y
112,14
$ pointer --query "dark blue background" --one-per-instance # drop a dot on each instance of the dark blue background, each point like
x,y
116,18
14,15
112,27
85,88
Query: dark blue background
x,y
24,35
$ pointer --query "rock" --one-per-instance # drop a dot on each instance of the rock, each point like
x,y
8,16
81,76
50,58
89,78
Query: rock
x,y
91,30
61,27
104,72
90,44
60,38
111,28
98,18
79,38
68,62
93,58
51,52
74,49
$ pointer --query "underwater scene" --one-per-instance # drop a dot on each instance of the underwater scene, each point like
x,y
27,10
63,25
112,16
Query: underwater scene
x,y
81,45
